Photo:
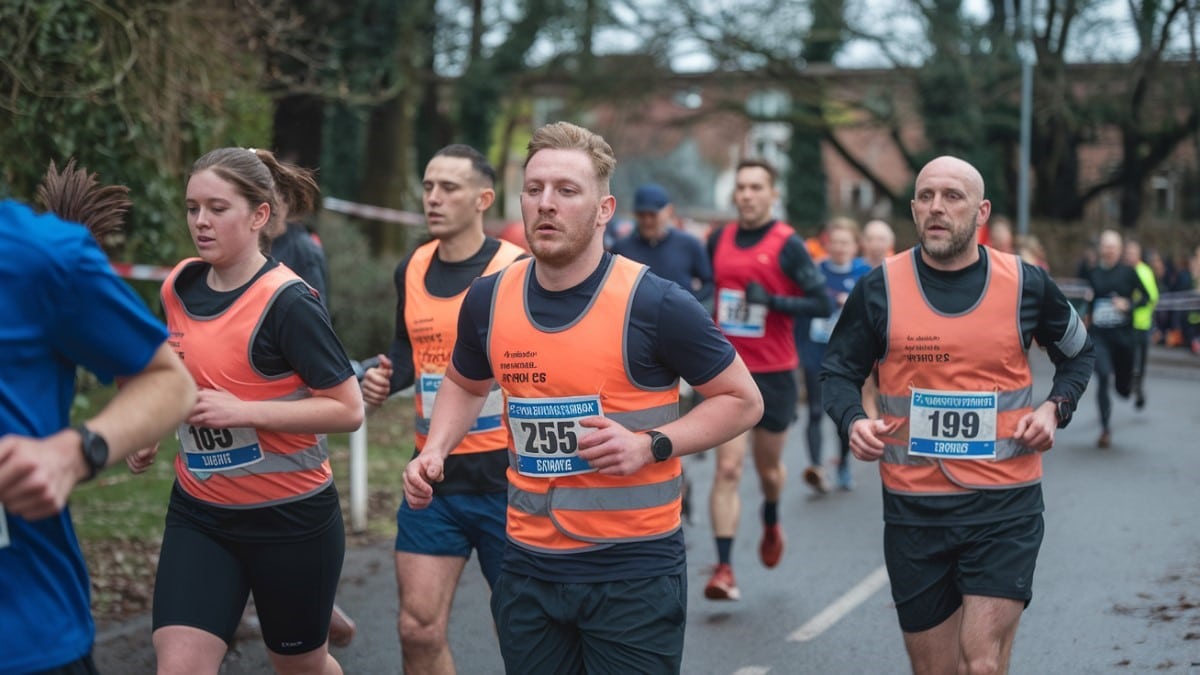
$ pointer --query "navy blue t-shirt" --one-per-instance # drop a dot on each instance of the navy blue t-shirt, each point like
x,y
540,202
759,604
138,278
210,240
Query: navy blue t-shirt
x,y
677,257
669,336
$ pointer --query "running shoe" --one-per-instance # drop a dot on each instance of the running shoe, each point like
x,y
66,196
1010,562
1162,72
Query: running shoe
x,y
815,478
1105,439
722,585
845,482
770,549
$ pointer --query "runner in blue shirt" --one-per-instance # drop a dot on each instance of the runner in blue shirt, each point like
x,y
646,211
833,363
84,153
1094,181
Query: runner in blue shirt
x,y
62,307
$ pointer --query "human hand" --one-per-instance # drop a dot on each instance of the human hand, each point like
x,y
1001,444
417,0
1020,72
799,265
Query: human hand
x,y
37,475
612,449
419,476
757,295
1036,429
141,460
865,440
377,382
218,409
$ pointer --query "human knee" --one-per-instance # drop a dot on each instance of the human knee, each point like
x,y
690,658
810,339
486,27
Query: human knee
x,y
728,471
980,664
421,634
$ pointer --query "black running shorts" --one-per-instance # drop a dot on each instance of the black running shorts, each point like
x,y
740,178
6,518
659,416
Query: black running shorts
x,y
779,392
932,568
204,580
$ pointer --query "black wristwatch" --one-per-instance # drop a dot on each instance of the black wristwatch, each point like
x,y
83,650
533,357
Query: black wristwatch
x,y
660,446
94,449
1062,409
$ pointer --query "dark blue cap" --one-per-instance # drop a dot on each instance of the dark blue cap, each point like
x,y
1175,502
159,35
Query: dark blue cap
x,y
650,197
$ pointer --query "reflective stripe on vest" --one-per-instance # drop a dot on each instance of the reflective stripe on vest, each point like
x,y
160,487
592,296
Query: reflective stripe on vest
x,y
216,352
980,349
432,325
569,514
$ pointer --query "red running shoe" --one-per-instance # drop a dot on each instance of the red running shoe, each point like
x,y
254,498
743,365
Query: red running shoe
x,y
770,549
722,585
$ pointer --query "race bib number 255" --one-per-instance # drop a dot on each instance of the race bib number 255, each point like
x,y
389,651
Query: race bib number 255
x,y
546,433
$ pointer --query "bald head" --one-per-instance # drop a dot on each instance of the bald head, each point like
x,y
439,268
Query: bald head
x,y
947,166
1110,248
878,241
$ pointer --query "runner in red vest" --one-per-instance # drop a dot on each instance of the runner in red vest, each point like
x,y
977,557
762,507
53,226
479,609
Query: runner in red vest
x,y
960,436
763,277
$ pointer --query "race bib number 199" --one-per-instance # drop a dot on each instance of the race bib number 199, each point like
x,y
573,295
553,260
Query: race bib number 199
x,y
952,424
546,433
3,528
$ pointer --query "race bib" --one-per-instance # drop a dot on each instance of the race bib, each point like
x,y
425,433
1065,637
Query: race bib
x,y
1106,315
737,318
4,541
821,328
206,449
489,416
546,433
952,424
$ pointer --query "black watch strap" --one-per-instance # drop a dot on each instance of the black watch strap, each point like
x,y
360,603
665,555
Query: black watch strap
x,y
94,449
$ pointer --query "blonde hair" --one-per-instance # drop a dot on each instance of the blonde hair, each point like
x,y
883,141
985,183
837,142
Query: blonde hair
x,y
567,136
844,223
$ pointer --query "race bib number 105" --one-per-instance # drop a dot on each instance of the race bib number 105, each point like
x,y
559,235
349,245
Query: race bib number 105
x,y
546,433
208,449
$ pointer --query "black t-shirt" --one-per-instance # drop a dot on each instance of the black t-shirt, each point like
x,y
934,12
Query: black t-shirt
x,y
860,339
1118,281
461,474
294,336
670,336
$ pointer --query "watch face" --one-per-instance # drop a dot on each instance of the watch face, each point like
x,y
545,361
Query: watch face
x,y
660,445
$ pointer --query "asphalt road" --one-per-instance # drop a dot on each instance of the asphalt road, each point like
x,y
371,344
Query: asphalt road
x,y
1117,587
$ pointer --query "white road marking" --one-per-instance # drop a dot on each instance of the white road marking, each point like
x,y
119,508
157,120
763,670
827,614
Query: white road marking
x,y
841,607
752,670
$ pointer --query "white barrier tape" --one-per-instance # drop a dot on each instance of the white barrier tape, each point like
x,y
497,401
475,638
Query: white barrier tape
x,y
141,272
373,212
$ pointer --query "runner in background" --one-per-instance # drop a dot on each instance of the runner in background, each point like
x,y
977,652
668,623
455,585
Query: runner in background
x,y
1117,291
841,269
764,277
1143,319
434,544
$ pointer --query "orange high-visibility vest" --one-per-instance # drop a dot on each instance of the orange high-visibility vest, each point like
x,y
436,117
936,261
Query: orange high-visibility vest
x,y
979,350
432,324
216,351
568,514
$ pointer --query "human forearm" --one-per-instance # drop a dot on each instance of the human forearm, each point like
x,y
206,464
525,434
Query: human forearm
x,y
459,401
338,409
146,407
732,404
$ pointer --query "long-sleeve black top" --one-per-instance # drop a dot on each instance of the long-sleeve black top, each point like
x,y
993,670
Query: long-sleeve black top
x,y
860,338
